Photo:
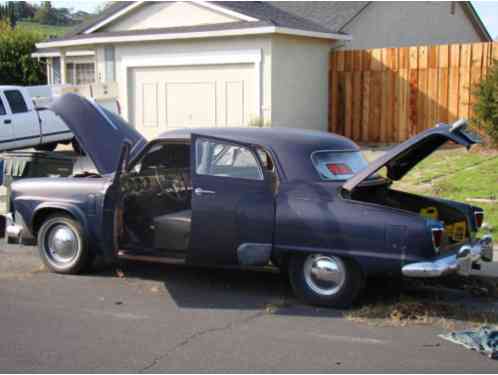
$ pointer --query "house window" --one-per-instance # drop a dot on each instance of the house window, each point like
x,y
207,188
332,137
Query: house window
x,y
80,73
109,64
56,70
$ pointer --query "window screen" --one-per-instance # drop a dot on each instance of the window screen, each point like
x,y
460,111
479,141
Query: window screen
x,y
2,108
16,101
85,73
226,160
80,74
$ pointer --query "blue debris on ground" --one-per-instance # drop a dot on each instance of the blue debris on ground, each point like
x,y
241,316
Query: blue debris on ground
x,y
483,340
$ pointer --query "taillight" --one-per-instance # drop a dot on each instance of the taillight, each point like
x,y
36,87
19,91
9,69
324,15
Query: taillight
x,y
437,237
479,215
339,169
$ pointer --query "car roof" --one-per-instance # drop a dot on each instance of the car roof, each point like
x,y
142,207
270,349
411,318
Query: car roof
x,y
7,87
292,147
275,138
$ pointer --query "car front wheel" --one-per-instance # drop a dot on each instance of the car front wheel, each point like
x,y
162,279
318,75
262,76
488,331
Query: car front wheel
x,y
325,280
62,245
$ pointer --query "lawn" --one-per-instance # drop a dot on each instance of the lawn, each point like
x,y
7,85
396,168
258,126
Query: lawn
x,y
45,30
466,176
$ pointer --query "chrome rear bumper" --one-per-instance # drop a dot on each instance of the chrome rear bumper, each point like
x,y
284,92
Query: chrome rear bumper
x,y
459,263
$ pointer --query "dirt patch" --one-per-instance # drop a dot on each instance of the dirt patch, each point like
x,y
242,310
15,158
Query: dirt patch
x,y
404,313
449,304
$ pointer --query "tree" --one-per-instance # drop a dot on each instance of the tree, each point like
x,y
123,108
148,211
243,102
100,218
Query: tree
x,y
45,14
8,14
486,105
17,67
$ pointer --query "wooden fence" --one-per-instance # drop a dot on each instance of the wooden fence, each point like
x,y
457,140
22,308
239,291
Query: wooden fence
x,y
389,94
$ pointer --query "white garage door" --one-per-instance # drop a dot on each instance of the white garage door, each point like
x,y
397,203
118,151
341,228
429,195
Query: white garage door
x,y
165,98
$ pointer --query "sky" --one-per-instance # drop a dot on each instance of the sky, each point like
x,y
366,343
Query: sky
x,y
488,10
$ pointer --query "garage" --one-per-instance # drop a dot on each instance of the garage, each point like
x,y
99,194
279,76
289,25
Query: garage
x,y
170,97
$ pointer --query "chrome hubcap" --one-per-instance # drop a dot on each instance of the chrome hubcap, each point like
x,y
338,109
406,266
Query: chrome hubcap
x,y
325,275
62,244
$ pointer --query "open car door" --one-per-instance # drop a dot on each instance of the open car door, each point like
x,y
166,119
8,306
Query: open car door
x,y
402,158
232,204
112,211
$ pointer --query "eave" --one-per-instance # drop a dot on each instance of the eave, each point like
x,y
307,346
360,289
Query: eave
x,y
111,39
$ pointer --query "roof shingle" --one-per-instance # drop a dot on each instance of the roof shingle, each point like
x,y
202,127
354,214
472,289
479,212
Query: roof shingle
x,y
296,15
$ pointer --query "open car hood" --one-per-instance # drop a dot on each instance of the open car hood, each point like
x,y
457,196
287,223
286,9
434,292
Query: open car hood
x,y
402,158
99,132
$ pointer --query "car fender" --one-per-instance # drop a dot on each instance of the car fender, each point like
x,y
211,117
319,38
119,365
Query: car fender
x,y
69,208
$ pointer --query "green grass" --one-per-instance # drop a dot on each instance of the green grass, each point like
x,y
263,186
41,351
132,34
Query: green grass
x,y
45,30
459,175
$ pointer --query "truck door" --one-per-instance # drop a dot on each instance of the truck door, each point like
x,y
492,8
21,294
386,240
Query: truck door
x,y
232,204
6,135
25,124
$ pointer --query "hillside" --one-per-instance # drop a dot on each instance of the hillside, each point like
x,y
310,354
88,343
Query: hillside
x,y
46,30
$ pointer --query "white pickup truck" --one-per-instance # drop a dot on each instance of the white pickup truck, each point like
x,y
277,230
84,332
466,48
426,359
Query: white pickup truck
x,y
22,126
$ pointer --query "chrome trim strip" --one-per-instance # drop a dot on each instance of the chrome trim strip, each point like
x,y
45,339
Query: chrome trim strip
x,y
358,253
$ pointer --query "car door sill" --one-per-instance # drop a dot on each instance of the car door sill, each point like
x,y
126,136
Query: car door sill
x,y
153,256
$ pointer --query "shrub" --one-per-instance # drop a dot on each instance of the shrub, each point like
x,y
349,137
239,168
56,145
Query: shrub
x,y
17,67
486,105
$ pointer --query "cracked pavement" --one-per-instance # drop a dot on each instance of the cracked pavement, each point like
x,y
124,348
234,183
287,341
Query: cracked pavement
x,y
164,318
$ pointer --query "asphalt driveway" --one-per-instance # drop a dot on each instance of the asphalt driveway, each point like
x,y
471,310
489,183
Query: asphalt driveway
x,y
158,317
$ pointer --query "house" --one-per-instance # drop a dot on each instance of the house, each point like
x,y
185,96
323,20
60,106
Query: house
x,y
195,64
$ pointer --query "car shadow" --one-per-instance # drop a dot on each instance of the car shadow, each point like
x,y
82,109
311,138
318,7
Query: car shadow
x,y
213,288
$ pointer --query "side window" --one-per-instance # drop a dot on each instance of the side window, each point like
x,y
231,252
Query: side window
x,y
16,101
2,108
226,160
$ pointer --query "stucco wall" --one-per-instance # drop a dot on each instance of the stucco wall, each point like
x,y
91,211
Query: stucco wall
x,y
300,82
167,14
154,50
395,24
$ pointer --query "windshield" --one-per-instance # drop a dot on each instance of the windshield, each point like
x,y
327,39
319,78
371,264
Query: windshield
x,y
338,165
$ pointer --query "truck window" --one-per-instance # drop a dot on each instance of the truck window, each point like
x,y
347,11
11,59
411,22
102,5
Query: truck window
x,y
2,108
16,101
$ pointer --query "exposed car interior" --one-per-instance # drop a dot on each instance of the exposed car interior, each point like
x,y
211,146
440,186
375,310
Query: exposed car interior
x,y
157,192
157,199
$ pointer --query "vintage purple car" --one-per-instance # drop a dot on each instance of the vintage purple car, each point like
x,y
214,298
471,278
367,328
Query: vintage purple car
x,y
305,202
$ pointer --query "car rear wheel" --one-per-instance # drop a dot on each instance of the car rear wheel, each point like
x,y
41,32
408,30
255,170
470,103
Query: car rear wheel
x,y
325,280
63,246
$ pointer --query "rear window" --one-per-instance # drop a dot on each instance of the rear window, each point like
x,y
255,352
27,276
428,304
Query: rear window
x,y
338,166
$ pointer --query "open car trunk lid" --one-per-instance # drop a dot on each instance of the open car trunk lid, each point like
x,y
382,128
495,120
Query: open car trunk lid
x,y
402,158
100,133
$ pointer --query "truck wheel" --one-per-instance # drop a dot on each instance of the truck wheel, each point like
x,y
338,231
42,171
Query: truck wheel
x,y
63,246
325,280
49,147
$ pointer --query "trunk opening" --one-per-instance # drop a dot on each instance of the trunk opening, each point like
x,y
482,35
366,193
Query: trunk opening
x,y
457,226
